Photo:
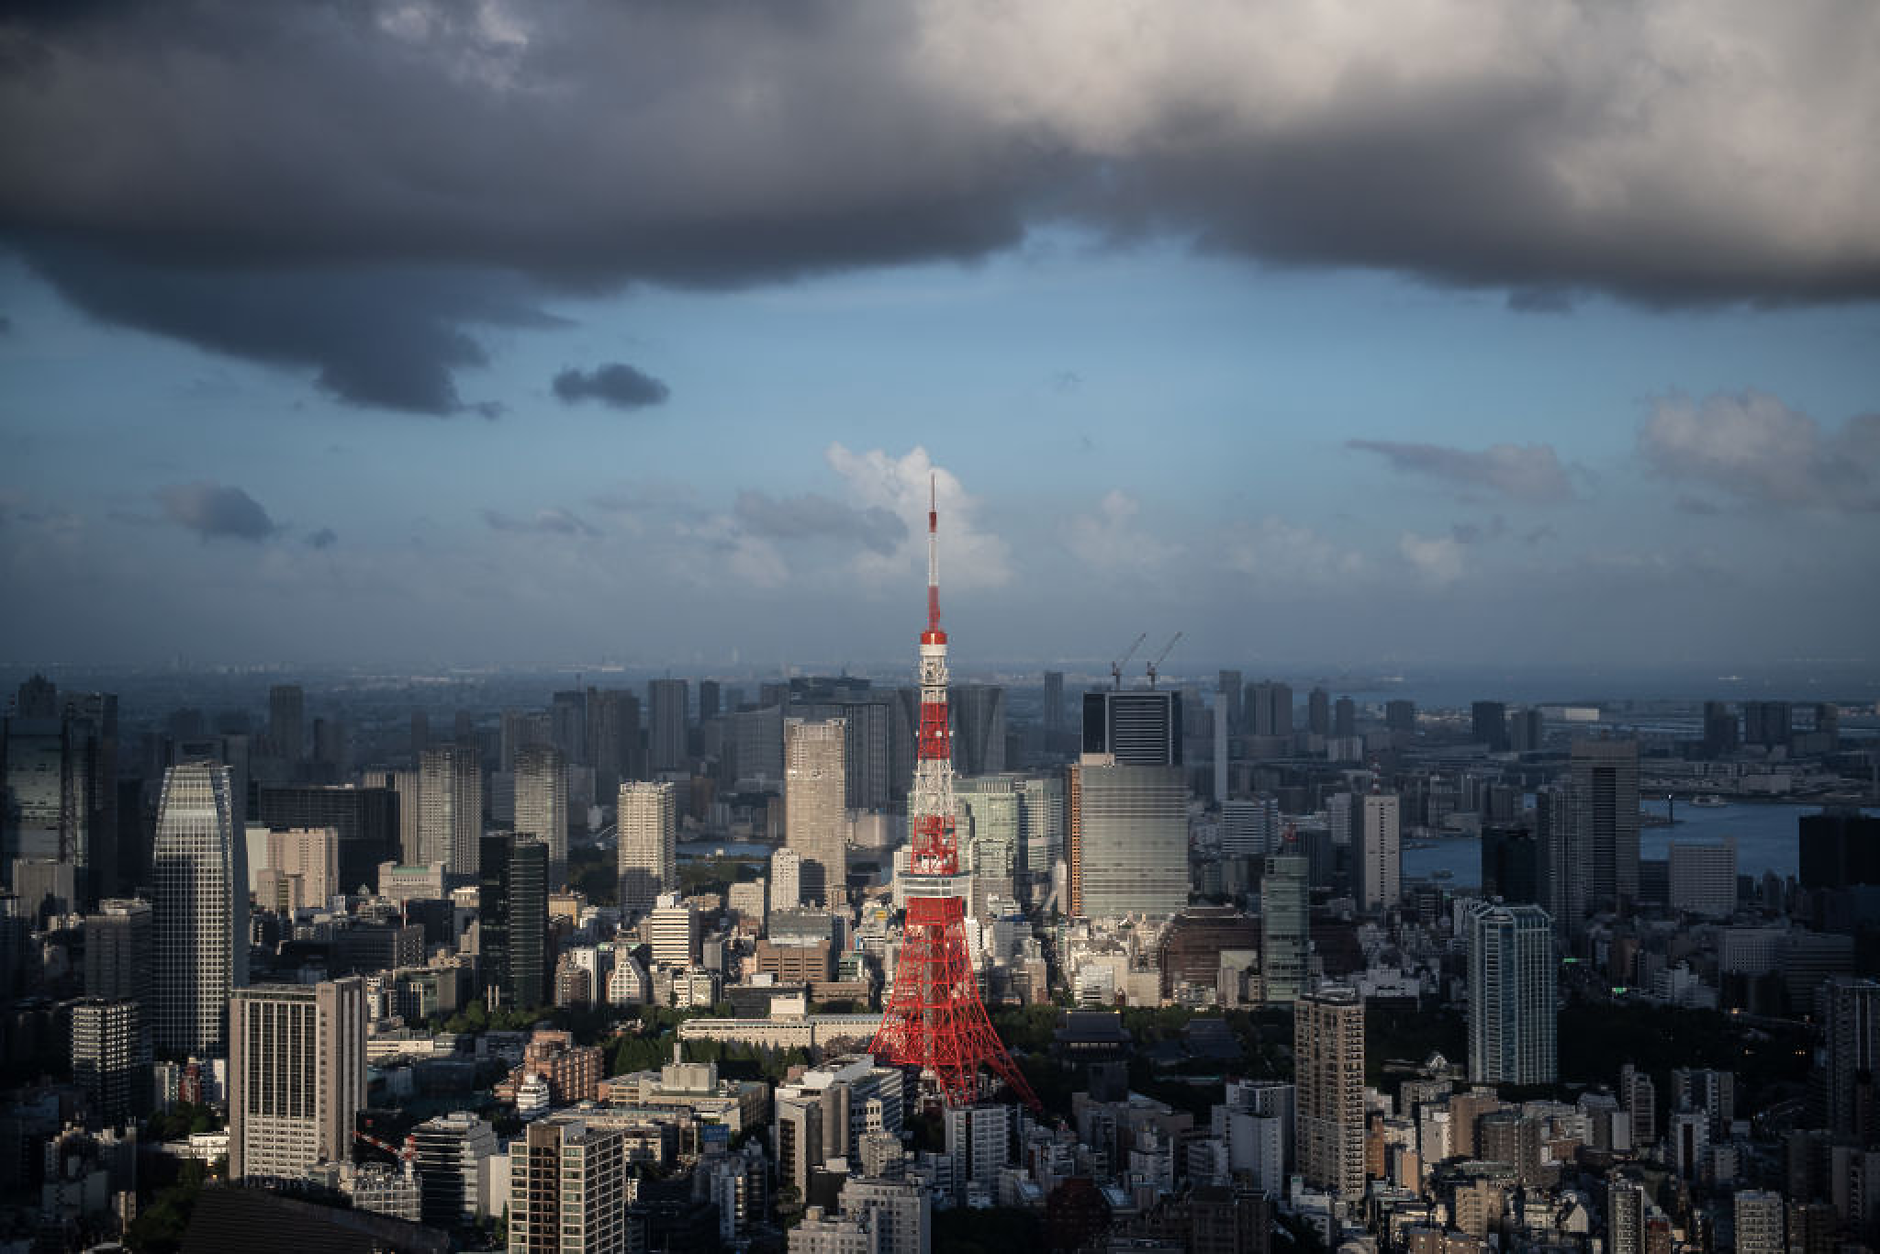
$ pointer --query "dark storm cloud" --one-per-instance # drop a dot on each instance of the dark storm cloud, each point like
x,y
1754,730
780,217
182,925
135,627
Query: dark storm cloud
x,y
810,515
614,383
585,146
381,338
1520,472
213,509
324,538
554,522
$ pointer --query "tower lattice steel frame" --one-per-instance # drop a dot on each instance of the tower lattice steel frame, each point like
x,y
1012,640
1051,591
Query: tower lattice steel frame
x,y
935,1019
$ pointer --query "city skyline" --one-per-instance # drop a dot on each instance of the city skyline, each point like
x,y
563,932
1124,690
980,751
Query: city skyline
x,y
1434,321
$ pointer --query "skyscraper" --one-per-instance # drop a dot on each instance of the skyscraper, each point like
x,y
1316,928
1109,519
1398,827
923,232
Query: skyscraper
x,y
1319,712
297,1076
1840,847
450,791
814,790
1377,850
1141,727
648,824
1851,1029
979,728
666,706
1345,718
1053,708
1511,994
542,804
1703,878
708,700
1328,1068
1129,839
1232,698
366,821
1605,812
1488,725
287,717
1285,927
1269,708
512,921
58,781
199,918
1511,867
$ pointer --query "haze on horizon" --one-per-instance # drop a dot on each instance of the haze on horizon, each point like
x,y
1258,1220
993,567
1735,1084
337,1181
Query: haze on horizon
x,y
338,332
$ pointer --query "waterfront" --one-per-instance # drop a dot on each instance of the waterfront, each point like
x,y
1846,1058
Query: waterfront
x,y
1765,838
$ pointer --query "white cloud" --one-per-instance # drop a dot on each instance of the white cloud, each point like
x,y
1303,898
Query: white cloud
x,y
1274,549
970,557
1755,447
1438,558
1107,539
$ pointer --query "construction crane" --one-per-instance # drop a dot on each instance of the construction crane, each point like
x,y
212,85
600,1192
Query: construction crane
x,y
402,1156
1116,667
1158,661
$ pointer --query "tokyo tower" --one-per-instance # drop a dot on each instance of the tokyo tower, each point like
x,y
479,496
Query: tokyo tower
x,y
935,1020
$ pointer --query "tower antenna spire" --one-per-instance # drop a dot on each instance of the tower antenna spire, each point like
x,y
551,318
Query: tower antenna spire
x,y
933,553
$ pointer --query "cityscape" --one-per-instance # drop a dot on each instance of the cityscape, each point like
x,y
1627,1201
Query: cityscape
x,y
923,627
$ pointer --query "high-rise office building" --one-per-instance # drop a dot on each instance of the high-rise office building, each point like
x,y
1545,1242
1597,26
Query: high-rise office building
x,y
1128,839
453,1151
1269,709
512,921
674,932
1140,727
542,804
287,721
614,738
1527,730
1328,1069
1488,725
305,856
1511,994
199,914
1345,718
404,786
297,1076
978,712
1511,864
647,821
1053,707
1703,878
1285,927
58,781
709,700
666,701
1721,735
1562,875
365,822
1249,826
450,793
568,1188
1851,1029
1606,819
1377,851
110,1057
118,952
1840,848
1230,692
1319,712
1768,723
786,880
1400,716
815,820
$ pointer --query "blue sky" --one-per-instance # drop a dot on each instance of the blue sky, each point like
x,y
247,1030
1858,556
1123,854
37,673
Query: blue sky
x,y
1139,424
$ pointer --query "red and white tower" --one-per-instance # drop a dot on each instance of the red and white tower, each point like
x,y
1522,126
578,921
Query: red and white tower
x,y
935,1020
